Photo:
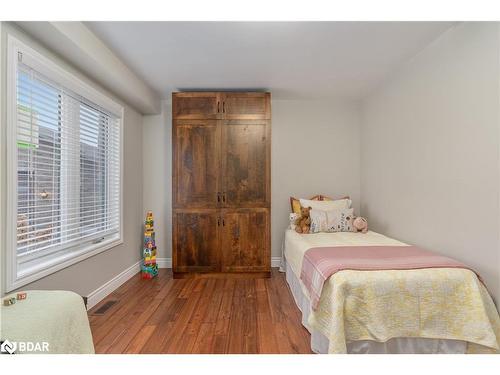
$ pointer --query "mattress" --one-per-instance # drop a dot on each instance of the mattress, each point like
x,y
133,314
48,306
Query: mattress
x,y
395,311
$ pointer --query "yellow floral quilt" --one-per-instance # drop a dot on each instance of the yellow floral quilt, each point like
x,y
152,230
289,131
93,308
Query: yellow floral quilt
x,y
444,303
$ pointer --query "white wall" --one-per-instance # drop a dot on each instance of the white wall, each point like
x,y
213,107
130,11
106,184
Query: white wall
x,y
315,150
430,150
87,275
157,175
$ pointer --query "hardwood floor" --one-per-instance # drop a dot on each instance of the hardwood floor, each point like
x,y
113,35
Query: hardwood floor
x,y
164,315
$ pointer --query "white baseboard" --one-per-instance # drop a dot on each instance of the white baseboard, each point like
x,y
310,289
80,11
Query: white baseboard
x,y
167,262
275,261
104,290
164,262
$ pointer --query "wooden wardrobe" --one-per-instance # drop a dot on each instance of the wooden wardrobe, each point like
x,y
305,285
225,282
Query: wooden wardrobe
x,y
221,183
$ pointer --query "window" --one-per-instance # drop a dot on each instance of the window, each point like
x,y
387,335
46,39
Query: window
x,y
64,151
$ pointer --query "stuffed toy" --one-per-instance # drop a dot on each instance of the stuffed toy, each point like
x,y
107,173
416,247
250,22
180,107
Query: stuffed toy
x,y
360,224
303,223
293,219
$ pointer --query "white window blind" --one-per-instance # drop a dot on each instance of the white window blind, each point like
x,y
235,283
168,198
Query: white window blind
x,y
68,170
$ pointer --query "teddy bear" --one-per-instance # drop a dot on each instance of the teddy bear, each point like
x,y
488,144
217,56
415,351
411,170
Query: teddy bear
x,y
303,223
360,224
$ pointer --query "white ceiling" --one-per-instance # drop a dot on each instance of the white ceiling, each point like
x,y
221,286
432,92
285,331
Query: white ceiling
x,y
290,59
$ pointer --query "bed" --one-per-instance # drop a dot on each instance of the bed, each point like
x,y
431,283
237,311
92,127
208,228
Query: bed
x,y
53,322
438,310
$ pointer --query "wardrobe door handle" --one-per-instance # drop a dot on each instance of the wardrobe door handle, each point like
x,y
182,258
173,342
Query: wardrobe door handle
x,y
218,221
223,107
224,197
218,106
223,222
218,197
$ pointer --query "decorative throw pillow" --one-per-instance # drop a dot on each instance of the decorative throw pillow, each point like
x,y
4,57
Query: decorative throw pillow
x,y
325,198
332,221
295,203
338,204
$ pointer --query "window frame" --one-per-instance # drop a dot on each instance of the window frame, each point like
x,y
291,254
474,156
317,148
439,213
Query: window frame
x,y
76,253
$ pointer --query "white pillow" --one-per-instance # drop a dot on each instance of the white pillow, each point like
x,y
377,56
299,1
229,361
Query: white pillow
x,y
338,204
332,221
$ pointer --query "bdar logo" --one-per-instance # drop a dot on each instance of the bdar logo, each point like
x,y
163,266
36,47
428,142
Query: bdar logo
x,y
8,347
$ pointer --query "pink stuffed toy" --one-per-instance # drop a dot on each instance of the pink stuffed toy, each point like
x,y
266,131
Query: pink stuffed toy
x,y
360,224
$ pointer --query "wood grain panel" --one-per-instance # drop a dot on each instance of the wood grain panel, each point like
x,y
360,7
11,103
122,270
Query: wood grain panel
x,y
245,240
196,163
245,164
246,105
196,241
196,105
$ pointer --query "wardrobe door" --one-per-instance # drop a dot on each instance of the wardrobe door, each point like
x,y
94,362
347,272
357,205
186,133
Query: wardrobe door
x,y
246,106
196,105
245,164
195,163
196,241
245,235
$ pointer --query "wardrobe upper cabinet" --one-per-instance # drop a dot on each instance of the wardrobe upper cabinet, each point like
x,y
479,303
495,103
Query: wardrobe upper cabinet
x,y
196,105
221,105
245,164
246,105
195,163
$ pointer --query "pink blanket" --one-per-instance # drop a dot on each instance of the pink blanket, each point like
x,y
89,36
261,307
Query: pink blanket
x,y
322,262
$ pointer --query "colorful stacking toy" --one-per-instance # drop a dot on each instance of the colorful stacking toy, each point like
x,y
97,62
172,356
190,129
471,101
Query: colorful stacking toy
x,y
149,267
